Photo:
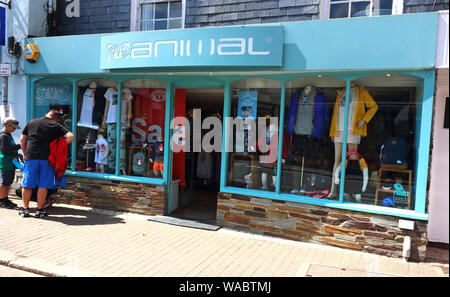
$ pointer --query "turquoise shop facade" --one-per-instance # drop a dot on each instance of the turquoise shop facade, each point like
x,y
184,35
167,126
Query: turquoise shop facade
x,y
347,49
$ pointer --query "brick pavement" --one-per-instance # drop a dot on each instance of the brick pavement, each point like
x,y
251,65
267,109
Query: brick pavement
x,y
78,241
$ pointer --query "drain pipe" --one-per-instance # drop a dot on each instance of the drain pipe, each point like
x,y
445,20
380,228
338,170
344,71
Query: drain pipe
x,y
406,225
406,248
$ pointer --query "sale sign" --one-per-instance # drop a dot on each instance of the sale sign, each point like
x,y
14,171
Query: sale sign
x,y
149,108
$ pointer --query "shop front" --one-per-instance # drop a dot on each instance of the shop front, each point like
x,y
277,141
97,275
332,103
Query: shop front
x,y
314,131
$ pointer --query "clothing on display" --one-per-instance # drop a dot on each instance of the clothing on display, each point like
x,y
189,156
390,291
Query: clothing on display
x,y
363,109
157,153
140,163
87,108
111,138
101,151
308,114
205,165
111,95
356,174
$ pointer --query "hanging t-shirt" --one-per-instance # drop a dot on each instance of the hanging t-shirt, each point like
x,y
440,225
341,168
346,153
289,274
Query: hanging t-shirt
x,y
205,165
87,107
304,122
351,110
101,151
111,96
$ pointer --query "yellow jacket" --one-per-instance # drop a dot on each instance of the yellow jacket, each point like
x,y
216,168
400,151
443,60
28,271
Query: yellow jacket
x,y
363,101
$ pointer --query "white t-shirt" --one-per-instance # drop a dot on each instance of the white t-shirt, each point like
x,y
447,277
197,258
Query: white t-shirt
x,y
87,107
100,151
111,96
351,110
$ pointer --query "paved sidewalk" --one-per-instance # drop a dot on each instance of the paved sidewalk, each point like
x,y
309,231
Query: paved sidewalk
x,y
79,241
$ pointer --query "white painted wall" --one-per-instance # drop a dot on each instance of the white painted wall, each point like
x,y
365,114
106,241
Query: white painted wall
x,y
26,17
438,208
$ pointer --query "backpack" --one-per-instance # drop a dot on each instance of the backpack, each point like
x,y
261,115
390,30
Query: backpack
x,y
140,163
394,151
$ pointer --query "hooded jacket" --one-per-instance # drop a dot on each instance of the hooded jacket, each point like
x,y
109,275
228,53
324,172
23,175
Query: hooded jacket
x,y
58,156
365,109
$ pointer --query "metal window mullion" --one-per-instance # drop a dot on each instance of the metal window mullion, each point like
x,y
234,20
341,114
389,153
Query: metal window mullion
x,y
167,170
225,135
423,154
74,125
118,128
280,137
344,142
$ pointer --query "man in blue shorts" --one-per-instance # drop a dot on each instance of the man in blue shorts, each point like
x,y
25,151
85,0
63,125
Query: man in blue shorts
x,y
35,143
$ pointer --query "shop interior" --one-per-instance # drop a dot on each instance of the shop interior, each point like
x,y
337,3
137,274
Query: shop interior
x,y
198,197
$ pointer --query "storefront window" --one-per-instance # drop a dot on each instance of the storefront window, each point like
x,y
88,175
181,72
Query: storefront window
x,y
54,94
141,151
253,139
307,148
381,140
94,151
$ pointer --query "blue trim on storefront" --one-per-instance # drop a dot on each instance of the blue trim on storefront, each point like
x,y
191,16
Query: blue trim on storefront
x,y
412,44
175,80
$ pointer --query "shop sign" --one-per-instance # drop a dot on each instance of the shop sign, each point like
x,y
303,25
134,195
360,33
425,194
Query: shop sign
x,y
230,46
5,69
51,92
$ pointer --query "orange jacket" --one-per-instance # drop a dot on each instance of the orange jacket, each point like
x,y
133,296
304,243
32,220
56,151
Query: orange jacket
x,y
58,156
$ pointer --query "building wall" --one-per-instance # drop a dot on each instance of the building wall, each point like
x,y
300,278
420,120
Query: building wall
x,y
417,6
438,228
359,231
111,195
203,13
96,16
106,16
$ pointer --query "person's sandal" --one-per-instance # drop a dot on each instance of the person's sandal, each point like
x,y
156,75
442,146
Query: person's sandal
x,y
6,203
24,212
40,213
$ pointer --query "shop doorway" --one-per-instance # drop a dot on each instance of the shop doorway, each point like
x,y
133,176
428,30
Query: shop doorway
x,y
197,199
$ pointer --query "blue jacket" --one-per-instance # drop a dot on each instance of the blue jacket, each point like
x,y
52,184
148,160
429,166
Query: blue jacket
x,y
320,114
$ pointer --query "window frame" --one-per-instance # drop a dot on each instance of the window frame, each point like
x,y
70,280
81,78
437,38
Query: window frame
x,y
136,13
324,7
426,97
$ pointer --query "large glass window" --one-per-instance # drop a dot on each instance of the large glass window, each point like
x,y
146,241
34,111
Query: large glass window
x,y
382,140
255,109
54,94
307,167
95,152
141,151
160,15
358,8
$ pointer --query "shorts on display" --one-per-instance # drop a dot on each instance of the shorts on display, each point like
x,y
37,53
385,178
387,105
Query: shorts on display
x,y
351,138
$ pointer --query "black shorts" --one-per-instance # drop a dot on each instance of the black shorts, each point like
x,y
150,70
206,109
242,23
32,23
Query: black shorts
x,y
7,177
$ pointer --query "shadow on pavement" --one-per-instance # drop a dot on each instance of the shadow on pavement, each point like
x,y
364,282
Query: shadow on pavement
x,y
79,217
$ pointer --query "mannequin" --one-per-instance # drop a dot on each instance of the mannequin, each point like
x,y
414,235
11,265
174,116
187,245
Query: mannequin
x,y
307,117
101,153
87,107
357,175
362,108
110,122
270,130
157,156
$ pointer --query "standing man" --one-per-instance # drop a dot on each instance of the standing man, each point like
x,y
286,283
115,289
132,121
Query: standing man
x,y
35,143
8,152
